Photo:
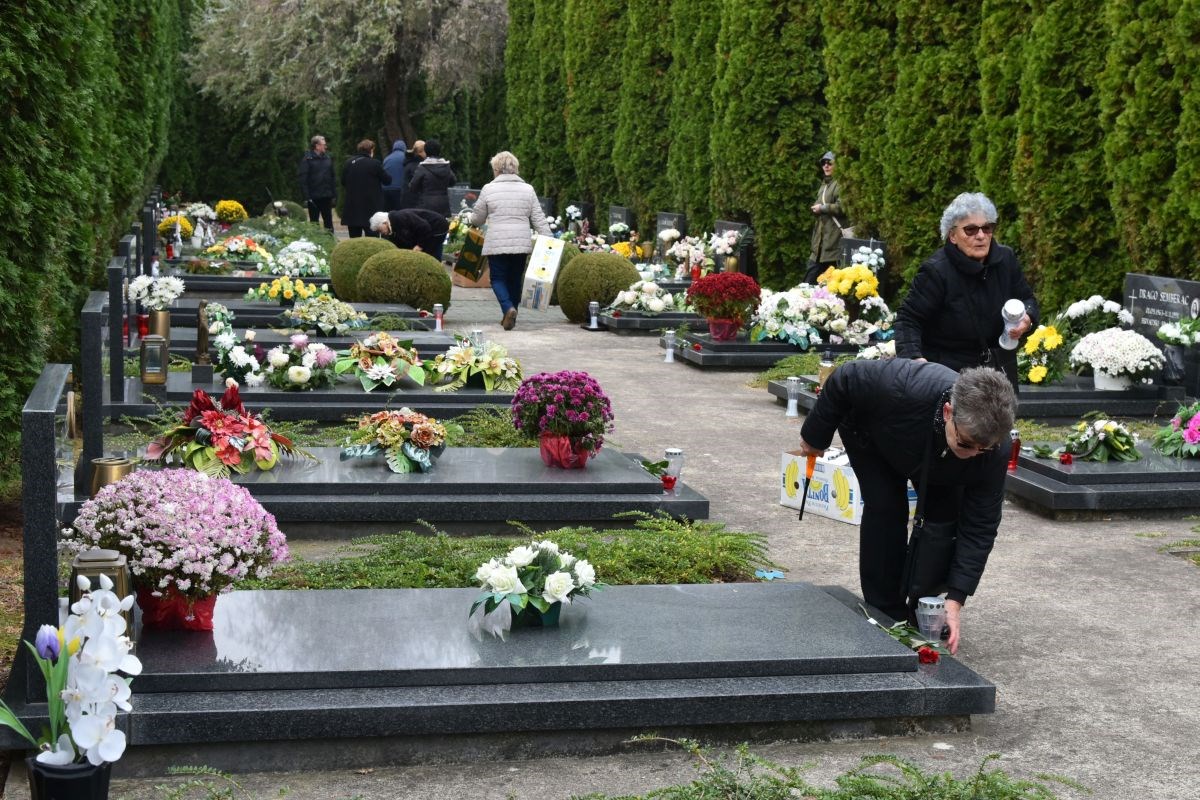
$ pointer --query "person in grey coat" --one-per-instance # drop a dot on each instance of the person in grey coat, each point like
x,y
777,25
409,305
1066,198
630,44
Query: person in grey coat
x,y
511,210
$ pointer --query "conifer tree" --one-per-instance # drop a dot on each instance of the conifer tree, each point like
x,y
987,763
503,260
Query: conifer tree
x,y
1182,205
593,40
694,26
554,171
521,85
768,117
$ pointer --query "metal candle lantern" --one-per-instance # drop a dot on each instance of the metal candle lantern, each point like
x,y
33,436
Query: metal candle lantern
x,y
670,476
793,396
154,359
669,339
109,469
594,314
93,563
438,311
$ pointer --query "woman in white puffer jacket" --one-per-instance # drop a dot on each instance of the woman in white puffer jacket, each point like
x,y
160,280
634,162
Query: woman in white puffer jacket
x,y
511,210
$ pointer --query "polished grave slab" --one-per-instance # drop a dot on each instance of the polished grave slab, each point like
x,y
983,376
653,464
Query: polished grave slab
x,y
641,322
295,665
701,350
428,344
249,313
468,484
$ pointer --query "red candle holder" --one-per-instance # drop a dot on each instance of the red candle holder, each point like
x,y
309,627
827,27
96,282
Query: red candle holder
x,y
668,482
695,272
1066,459
143,323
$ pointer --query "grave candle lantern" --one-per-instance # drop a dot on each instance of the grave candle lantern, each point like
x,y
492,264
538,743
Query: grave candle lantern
x,y
669,340
670,476
594,314
793,396
154,359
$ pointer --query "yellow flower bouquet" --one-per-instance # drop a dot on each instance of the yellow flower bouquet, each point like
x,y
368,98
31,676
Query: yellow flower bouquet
x,y
286,290
166,228
1040,360
231,212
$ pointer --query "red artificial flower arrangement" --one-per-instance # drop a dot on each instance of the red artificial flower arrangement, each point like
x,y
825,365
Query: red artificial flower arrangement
x,y
725,295
217,440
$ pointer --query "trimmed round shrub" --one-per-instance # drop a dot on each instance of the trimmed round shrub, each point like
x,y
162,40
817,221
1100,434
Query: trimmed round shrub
x,y
404,276
593,276
569,252
348,258
294,210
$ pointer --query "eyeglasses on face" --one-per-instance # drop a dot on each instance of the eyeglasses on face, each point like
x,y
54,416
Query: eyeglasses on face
x,y
969,445
973,230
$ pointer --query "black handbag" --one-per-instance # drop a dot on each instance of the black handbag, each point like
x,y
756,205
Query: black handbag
x,y
930,546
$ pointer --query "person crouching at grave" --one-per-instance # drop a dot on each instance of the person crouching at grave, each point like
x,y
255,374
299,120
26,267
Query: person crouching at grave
x,y
902,420
511,210
413,229
952,313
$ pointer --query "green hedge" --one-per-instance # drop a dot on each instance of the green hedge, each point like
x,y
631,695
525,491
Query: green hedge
x,y
695,24
520,77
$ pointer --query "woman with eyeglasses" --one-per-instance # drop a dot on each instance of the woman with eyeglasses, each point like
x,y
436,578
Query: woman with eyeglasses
x,y
952,314
901,421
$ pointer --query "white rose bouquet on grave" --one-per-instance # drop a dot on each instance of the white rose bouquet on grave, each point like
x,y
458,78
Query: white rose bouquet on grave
x,y
537,576
301,364
1090,316
649,298
325,314
1118,353
300,258
1185,332
156,294
801,315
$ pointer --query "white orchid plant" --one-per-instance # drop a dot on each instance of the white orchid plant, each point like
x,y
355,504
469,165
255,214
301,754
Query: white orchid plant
x,y
83,662
156,294
649,298
536,575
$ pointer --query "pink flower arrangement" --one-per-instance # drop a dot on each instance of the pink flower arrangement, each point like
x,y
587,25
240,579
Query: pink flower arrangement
x,y
1180,437
181,531
566,403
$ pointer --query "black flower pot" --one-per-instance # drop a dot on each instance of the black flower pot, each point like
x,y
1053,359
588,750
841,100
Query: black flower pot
x,y
69,782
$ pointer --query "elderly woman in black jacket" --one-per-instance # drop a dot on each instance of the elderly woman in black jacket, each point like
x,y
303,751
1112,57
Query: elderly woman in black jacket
x,y
952,315
894,415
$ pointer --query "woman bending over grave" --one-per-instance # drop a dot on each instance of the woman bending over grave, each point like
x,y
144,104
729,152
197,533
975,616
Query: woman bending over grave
x,y
511,210
413,229
903,420
952,314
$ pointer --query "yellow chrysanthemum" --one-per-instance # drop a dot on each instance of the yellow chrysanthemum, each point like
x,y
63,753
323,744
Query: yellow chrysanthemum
x,y
273,292
1037,374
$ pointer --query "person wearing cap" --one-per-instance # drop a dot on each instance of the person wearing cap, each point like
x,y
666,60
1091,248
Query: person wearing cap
x,y
393,165
827,230
951,314
894,417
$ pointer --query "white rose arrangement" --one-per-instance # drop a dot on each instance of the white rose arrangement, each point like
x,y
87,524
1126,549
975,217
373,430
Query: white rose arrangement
x,y
649,298
534,576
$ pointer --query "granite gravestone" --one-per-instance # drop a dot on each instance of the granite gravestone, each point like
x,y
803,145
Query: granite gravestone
x,y
547,204
588,210
1153,301
670,219
460,196
620,215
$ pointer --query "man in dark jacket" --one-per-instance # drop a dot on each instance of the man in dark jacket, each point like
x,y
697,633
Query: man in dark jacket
x,y
413,229
318,186
363,178
431,179
892,415
393,165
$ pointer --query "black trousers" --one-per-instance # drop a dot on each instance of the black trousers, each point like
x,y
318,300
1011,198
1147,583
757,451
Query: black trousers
x,y
356,232
883,532
321,208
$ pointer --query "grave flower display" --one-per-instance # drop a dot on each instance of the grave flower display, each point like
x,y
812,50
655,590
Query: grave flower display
x,y
1119,354
1181,436
1176,338
83,663
234,361
231,212
324,314
629,248
381,360
880,350
220,439
648,297
528,586
240,248
1095,438
200,212
726,243
799,316
166,228
410,442
727,299
871,258
286,290
488,363
301,365
567,412
691,257
300,258
618,232
1090,316
187,537
1040,360
156,294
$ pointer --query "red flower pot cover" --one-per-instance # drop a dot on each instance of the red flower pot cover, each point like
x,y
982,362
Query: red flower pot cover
x,y
563,451
176,612
723,330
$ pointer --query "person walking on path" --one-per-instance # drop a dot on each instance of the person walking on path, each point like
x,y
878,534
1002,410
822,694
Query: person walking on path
x,y
363,178
431,179
393,165
903,420
827,230
318,186
511,210
413,229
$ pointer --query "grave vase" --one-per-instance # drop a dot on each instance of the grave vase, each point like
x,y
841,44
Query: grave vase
x,y
1108,383
530,617
160,323
564,452
723,330
175,612
731,263
68,781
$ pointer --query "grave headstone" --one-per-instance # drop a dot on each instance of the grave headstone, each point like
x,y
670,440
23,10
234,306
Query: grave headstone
x,y
547,204
850,246
460,195
620,215
1153,301
587,209
670,219
745,254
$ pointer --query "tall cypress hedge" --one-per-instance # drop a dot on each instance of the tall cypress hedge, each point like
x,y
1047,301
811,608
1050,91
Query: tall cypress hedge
x,y
521,86
858,58
694,28
594,33
1068,239
768,117
555,178
1182,203
1139,102
643,104
930,124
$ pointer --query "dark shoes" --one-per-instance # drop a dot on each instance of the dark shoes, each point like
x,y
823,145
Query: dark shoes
x,y
510,319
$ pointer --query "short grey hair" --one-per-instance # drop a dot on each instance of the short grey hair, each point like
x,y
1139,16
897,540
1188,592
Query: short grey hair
x,y
965,205
378,219
316,140
985,405
505,163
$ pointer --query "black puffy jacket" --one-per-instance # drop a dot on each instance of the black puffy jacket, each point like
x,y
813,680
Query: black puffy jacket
x,y
417,226
363,178
952,311
429,183
890,407
316,176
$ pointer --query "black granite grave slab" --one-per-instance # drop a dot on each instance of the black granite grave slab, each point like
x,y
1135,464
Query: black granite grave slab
x,y
237,282
429,344
1060,403
251,314
641,322
468,484
701,350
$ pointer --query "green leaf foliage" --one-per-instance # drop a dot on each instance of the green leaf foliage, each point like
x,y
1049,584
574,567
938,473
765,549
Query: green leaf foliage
x,y
643,104
694,28
768,116
554,173
1182,204
521,85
